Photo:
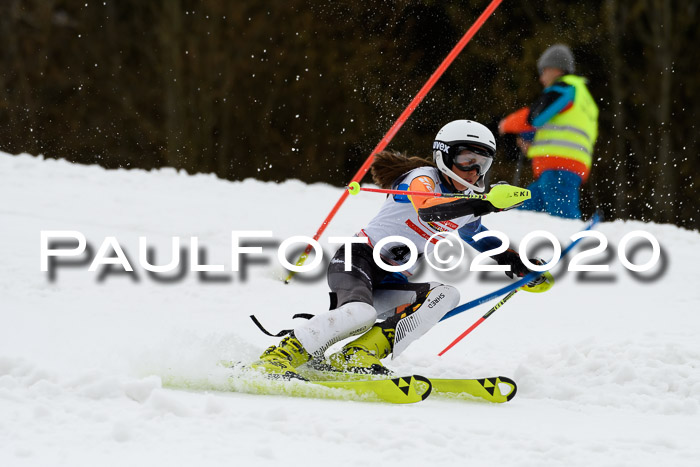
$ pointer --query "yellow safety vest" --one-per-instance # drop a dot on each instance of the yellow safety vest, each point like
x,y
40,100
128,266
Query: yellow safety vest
x,y
570,134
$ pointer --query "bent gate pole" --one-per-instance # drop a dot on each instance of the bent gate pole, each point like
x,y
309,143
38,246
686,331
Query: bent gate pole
x,y
399,123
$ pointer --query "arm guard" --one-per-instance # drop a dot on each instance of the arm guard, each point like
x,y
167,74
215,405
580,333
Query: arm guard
x,y
455,209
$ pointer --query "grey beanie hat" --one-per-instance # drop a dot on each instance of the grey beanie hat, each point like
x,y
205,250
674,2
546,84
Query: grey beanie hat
x,y
557,56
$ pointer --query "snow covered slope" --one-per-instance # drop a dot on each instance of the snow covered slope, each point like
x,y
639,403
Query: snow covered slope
x,y
608,366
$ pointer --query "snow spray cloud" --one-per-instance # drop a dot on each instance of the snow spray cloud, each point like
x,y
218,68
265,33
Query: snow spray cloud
x,y
70,248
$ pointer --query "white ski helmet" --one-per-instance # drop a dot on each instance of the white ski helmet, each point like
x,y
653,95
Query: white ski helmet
x,y
456,138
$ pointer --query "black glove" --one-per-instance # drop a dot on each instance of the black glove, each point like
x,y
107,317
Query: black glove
x,y
517,268
511,258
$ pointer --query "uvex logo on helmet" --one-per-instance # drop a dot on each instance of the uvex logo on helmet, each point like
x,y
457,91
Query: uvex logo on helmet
x,y
440,146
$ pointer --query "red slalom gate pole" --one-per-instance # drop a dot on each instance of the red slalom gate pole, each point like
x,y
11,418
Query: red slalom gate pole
x,y
399,123
355,188
402,192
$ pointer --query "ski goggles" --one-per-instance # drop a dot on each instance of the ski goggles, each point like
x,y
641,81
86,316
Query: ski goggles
x,y
470,158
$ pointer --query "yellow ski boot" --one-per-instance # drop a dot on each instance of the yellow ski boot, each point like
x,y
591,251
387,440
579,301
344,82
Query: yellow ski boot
x,y
364,354
281,361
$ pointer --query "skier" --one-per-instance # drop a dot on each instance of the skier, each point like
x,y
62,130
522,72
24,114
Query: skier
x,y
463,152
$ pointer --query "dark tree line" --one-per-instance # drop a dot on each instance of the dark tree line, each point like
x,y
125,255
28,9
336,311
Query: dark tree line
x,y
306,89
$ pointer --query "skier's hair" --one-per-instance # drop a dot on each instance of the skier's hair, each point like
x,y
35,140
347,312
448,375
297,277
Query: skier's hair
x,y
390,165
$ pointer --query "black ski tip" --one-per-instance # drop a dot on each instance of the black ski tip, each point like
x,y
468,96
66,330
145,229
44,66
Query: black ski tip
x,y
505,379
425,380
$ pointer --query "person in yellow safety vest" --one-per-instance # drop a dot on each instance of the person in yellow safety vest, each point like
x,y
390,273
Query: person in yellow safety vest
x,y
558,132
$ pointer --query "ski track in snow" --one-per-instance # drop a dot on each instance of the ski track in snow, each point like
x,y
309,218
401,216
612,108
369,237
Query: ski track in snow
x,y
95,372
